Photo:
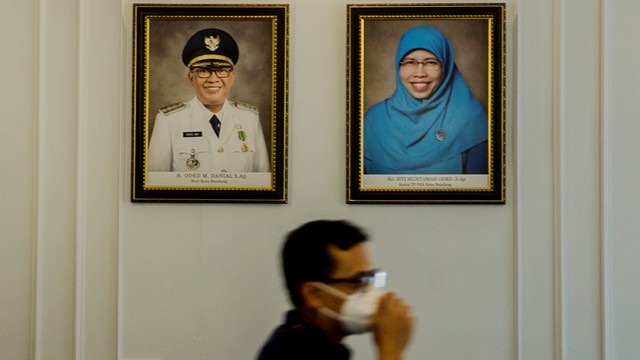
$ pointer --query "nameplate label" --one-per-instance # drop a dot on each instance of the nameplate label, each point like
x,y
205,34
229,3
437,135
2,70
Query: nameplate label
x,y
188,134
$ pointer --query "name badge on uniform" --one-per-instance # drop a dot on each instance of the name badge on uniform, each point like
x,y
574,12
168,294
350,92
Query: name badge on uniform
x,y
189,134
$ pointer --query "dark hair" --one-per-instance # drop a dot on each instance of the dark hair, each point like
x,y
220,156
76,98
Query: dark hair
x,y
305,254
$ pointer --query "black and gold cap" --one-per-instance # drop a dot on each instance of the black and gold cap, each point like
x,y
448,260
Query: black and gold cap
x,y
210,47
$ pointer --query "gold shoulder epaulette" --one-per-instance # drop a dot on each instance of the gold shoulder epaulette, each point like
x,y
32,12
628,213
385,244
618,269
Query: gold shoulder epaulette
x,y
173,107
244,106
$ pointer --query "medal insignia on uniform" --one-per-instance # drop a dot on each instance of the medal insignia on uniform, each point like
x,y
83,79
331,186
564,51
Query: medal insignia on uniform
x,y
212,42
441,135
192,162
245,148
173,107
241,135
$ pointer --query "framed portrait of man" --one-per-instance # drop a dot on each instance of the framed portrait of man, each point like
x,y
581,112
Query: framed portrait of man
x,y
209,103
426,103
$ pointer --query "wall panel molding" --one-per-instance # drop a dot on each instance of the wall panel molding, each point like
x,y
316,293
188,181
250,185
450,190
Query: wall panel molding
x,y
17,183
536,229
56,179
606,53
621,147
580,172
575,253
99,128
77,177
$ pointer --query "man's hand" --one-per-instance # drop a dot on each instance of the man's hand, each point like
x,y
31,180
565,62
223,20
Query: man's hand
x,y
392,327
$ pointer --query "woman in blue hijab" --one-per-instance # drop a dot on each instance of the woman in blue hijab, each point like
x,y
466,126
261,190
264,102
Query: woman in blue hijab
x,y
431,124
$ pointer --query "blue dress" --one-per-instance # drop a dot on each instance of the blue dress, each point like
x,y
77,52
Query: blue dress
x,y
443,134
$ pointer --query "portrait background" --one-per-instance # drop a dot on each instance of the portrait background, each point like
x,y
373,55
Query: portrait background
x,y
469,39
168,82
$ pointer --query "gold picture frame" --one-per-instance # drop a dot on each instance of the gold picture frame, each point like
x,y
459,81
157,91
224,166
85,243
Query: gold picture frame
x,y
395,153
186,164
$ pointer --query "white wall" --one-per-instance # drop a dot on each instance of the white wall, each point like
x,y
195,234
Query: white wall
x,y
86,274
621,229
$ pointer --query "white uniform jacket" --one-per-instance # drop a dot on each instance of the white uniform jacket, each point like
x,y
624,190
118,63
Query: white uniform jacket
x,y
183,139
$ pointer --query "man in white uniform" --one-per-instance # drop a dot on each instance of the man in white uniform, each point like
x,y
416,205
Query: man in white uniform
x,y
209,132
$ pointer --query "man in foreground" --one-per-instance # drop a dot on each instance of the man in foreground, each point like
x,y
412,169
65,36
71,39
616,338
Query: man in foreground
x,y
336,292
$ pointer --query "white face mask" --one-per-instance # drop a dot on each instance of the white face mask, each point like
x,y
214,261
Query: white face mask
x,y
356,313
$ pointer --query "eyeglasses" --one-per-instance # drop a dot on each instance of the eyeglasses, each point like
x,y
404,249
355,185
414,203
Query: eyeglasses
x,y
367,280
204,73
429,64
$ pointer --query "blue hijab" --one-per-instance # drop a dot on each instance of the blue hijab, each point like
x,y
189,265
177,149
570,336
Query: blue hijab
x,y
444,134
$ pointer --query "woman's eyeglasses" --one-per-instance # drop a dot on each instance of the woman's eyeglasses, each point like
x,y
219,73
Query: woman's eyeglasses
x,y
429,64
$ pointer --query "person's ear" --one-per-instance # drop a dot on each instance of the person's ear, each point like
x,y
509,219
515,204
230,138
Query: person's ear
x,y
311,295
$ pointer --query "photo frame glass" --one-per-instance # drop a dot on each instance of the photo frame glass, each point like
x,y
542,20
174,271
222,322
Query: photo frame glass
x,y
191,62
426,103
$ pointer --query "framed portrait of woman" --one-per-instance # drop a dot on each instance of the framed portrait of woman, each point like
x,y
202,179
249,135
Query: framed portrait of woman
x,y
209,103
426,103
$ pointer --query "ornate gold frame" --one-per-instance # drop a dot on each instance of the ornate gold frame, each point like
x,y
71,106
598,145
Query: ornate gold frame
x,y
156,79
372,31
